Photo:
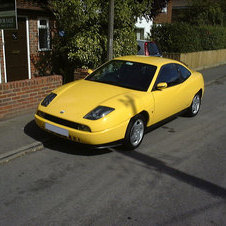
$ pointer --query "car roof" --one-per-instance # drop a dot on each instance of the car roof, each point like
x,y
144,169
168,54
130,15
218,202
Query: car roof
x,y
145,41
157,61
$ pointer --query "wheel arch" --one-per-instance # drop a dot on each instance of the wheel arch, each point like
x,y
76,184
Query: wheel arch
x,y
200,92
146,116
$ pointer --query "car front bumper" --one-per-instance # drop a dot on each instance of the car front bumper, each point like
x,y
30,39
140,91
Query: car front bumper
x,y
91,138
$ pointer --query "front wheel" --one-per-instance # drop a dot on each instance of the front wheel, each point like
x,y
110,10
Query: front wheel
x,y
135,132
195,106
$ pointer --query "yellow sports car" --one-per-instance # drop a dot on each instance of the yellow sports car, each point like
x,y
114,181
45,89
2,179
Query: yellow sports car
x,y
116,102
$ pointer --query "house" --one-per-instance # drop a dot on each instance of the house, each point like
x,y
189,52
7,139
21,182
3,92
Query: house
x,y
166,15
144,25
179,7
20,52
20,49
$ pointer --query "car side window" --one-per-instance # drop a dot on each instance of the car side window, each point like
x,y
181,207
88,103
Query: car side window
x,y
169,74
185,73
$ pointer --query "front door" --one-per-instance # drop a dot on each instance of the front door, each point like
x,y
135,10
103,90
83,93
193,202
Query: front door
x,y
16,52
170,100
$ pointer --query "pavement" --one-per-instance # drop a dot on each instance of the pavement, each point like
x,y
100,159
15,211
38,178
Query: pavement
x,y
21,135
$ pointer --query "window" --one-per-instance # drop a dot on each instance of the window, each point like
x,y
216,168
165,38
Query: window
x,y
126,74
153,49
43,34
185,73
169,74
140,33
164,10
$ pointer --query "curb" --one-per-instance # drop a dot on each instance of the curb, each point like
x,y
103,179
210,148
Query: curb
x,y
6,157
38,146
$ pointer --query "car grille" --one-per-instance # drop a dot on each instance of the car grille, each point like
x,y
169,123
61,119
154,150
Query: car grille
x,y
63,122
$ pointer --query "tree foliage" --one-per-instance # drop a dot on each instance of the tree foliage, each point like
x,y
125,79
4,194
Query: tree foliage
x,y
198,27
85,27
85,24
203,12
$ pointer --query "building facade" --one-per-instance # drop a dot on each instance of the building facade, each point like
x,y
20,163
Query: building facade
x,y
166,15
143,25
179,7
20,49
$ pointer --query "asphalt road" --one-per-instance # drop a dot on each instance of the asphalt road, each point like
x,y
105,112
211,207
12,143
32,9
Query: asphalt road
x,y
176,177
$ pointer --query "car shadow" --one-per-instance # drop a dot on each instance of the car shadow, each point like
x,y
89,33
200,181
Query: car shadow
x,y
162,167
56,143
162,123
59,144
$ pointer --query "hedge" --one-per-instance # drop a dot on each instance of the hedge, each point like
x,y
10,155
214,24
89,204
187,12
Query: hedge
x,y
183,38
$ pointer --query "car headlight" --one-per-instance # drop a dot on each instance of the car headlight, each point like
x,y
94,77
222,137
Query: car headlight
x,y
99,112
48,99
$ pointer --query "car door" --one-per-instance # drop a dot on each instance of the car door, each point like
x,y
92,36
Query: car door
x,y
187,93
169,100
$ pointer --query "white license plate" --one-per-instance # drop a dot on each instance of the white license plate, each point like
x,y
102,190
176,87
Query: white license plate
x,y
57,129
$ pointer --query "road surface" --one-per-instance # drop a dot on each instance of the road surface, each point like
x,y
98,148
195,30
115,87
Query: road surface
x,y
176,177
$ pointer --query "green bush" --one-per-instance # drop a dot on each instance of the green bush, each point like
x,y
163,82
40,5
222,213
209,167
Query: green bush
x,y
183,38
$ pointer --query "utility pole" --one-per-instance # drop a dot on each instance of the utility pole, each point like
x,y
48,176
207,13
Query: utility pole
x,y
110,30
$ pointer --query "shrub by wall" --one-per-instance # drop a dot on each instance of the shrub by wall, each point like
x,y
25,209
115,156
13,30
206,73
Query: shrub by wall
x,y
23,96
184,38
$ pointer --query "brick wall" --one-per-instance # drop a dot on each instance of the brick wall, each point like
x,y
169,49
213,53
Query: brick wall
x,y
165,17
23,96
80,73
1,60
33,38
33,4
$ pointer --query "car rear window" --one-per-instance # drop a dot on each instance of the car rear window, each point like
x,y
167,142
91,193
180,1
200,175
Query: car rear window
x,y
185,73
152,48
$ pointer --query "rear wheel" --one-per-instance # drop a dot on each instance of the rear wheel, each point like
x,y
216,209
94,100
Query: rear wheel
x,y
135,132
195,106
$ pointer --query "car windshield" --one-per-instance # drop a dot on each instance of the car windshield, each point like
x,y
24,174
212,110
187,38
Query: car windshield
x,y
126,74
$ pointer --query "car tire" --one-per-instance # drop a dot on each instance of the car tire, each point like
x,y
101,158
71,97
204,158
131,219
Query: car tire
x,y
135,132
195,106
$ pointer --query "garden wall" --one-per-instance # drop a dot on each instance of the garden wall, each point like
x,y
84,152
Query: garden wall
x,y
23,96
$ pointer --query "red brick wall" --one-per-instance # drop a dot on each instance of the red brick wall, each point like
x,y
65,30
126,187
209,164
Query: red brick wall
x,y
165,17
1,59
33,4
35,53
33,36
24,95
80,73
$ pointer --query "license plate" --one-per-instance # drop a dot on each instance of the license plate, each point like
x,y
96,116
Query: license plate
x,y
57,129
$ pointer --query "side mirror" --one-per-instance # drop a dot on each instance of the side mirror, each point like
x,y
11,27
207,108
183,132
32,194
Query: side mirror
x,y
161,85
90,71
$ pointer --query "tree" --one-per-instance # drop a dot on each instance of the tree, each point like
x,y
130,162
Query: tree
x,y
203,12
85,27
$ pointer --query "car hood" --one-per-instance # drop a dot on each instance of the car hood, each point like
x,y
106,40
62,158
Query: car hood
x,y
80,97
76,99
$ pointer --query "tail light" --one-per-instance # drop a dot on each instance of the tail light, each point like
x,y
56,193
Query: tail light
x,y
146,52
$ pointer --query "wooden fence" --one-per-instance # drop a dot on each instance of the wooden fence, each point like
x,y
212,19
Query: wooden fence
x,y
200,60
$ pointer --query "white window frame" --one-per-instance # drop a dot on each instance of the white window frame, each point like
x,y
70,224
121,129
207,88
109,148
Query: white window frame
x,y
48,34
165,9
